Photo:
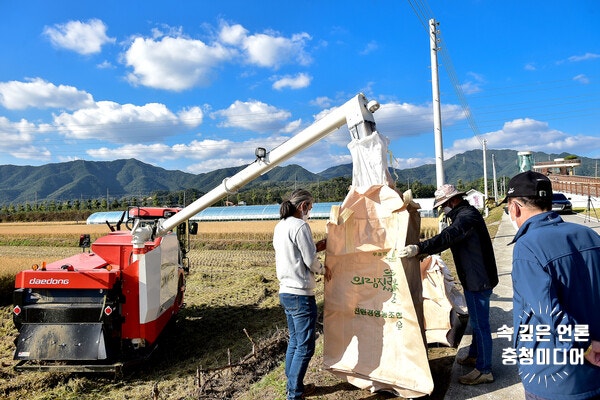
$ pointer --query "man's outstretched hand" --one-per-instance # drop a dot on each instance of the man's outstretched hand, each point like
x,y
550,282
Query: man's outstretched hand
x,y
409,251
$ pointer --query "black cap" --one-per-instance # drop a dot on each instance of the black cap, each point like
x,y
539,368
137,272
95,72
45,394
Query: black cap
x,y
529,184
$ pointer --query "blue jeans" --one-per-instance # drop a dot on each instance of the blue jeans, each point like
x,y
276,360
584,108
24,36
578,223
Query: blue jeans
x,y
478,305
301,313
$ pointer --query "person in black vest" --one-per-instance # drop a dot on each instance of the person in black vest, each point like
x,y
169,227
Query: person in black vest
x,y
469,240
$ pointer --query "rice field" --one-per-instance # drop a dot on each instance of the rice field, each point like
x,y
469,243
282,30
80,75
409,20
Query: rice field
x,y
232,281
25,244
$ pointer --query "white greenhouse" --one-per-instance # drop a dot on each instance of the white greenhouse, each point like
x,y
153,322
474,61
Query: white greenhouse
x,y
229,213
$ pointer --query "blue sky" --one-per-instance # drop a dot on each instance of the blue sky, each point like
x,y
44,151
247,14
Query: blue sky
x,y
197,85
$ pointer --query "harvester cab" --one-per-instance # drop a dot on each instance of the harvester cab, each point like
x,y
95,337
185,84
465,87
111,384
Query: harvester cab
x,y
151,217
99,310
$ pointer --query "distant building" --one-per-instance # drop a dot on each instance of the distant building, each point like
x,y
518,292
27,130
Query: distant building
x,y
476,199
558,166
426,210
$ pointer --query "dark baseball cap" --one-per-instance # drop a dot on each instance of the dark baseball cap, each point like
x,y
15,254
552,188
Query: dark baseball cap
x,y
529,184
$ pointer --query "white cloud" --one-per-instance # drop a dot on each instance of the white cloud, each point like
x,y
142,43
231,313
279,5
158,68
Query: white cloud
x,y
274,51
142,152
412,162
80,37
319,157
191,117
233,34
585,57
470,87
394,120
105,65
299,81
16,133
167,30
398,120
38,93
369,48
36,153
292,126
474,84
322,102
19,140
269,49
528,134
209,154
221,154
529,67
126,123
173,63
254,116
214,154
582,78
209,150
67,158
315,158
214,164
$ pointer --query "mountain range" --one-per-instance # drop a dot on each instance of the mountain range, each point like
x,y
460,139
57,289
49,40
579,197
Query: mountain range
x,y
130,177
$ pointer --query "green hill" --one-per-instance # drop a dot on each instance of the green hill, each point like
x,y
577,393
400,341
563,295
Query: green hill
x,y
124,178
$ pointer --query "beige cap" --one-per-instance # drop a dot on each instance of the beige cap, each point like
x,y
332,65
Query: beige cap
x,y
445,193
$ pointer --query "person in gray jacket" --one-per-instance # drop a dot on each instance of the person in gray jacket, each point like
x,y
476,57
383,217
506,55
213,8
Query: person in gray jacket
x,y
297,263
469,240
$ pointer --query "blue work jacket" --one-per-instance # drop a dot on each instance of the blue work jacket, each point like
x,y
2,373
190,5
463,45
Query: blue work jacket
x,y
556,306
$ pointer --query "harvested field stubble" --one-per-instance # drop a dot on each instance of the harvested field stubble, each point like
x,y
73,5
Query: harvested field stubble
x,y
228,291
232,307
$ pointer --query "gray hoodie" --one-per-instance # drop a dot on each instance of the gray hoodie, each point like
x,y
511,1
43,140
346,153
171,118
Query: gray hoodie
x,y
295,257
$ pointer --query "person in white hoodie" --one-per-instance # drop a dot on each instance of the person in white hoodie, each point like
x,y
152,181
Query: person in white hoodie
x,y
297,263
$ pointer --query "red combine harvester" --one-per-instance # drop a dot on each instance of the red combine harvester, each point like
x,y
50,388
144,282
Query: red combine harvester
x,y
100,310
103,309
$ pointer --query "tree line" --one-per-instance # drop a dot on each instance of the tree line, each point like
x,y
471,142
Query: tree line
x,y
332,190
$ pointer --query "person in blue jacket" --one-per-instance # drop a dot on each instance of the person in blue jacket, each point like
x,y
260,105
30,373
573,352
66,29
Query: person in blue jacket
x,y
556,283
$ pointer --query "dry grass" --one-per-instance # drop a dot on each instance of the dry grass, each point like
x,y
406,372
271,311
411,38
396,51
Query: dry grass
x,y
52,234
17,258
317,226
50,228
429,227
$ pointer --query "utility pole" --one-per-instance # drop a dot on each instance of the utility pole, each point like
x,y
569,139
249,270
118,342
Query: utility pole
x,y
494,177
485,185
437,112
